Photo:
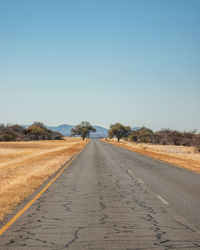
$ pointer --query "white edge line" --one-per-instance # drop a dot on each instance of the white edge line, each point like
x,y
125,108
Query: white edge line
x,y
162,199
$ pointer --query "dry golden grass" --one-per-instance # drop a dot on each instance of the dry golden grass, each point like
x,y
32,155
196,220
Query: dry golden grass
x,y
24,166
185,157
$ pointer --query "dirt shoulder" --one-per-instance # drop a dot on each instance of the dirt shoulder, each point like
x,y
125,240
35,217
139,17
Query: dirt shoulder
x,y
25,166
185,157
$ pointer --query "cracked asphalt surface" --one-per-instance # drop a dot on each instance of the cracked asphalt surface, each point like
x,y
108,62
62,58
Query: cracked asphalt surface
x,y
99,202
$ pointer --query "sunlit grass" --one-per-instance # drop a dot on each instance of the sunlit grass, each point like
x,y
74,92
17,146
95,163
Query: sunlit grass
x,y
24,166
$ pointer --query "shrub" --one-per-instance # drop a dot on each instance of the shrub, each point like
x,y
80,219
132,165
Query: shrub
x,y
166,137
142,135
7,137
37,131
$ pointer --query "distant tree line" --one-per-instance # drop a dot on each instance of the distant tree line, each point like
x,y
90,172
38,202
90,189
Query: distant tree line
x,y
37,131
163,137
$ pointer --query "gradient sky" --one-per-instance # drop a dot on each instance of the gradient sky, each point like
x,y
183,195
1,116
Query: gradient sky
x,y
135,62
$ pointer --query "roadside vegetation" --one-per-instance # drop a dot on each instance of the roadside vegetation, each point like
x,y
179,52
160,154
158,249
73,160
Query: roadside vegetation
x,y
82,130
37,131
119,131
175,147
24,166
166,137
162,137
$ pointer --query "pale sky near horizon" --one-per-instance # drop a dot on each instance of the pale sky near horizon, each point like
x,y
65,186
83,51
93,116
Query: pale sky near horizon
x,y
131,61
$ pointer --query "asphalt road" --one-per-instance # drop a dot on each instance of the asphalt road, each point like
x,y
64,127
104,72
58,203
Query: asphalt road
x,y
112,198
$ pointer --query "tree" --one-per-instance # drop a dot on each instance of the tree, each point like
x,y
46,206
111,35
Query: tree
x,y
119,131
83,130
142,135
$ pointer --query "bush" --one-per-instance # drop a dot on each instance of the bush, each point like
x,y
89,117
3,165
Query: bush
x,y
166,137
142,135
7,137
11,133
173,137
37,131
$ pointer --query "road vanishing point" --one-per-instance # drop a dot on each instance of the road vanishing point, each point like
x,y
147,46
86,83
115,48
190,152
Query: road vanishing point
x,y
110,198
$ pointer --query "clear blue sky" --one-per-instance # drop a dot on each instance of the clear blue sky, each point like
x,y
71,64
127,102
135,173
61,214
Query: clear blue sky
x,y
135,62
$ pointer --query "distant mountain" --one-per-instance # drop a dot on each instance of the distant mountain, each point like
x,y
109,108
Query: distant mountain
x,y
64,129
135,128
100,132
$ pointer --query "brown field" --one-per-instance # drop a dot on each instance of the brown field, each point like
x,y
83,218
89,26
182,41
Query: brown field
x,y
24,166
185,157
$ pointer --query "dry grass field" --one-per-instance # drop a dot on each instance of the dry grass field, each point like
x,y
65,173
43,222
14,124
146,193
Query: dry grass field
x,y
24,166
186,157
